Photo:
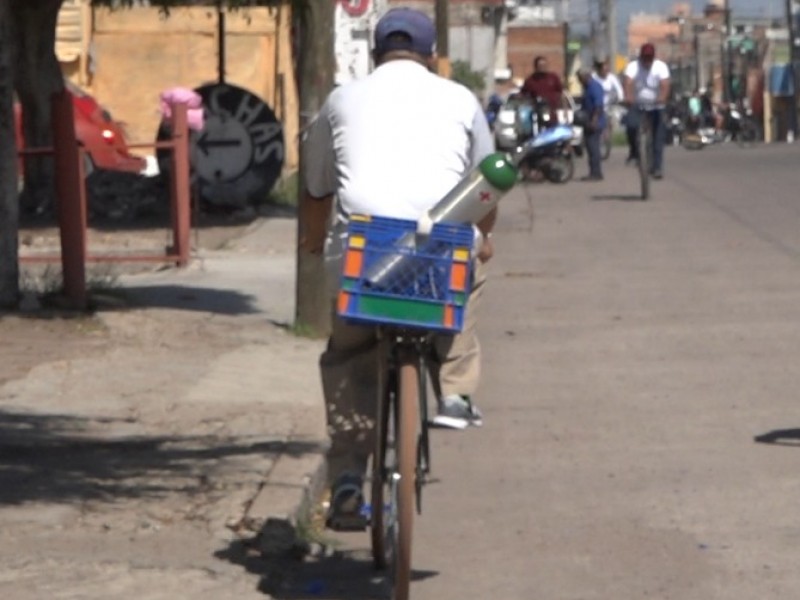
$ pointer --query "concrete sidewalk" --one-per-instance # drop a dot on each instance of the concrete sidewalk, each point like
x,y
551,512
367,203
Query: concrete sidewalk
x,y
187,425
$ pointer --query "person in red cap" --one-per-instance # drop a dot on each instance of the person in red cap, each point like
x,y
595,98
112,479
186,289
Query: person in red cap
x,y
646,83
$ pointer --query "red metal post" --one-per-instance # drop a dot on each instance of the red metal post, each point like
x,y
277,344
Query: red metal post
x,y
70,199
180,196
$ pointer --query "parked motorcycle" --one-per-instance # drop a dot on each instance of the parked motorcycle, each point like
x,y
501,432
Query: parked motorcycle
x,y
521,120
549,155
738,125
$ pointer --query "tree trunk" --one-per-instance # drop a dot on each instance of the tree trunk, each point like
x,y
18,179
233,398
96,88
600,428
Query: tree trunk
x,y
317,65
37,76
9,260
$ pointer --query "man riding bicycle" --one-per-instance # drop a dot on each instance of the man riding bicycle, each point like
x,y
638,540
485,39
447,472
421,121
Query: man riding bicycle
x,y
646,82
391,144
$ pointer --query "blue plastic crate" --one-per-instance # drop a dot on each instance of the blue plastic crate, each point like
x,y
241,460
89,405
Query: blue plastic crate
x,y
392,276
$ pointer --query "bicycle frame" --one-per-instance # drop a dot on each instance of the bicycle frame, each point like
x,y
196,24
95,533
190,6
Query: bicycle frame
x,y
645,150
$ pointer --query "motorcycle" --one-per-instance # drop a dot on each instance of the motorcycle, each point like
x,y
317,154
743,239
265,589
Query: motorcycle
x,y
738,125
548,153
522,120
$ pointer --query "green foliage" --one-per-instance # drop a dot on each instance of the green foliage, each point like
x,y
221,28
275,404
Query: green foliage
x,y
463,74
285,191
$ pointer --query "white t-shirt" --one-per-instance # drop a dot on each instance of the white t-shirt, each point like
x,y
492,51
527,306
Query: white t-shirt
x,y
395,142
647,82
612,89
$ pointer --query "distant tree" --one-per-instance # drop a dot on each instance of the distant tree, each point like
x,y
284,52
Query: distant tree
x,y
463,74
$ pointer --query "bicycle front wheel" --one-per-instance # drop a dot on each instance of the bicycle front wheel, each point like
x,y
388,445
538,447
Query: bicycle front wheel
x,y
644,161
605,143
383,517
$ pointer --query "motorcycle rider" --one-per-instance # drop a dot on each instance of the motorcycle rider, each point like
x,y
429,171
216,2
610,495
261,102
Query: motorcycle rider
x,y
545,84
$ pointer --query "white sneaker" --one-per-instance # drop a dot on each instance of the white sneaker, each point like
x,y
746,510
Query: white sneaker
x,y
457,412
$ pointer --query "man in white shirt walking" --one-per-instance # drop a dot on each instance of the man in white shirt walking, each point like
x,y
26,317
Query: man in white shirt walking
x,y
646,82
612,88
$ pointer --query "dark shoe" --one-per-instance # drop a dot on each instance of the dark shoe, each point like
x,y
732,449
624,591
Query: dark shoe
x,y
346,511
657,174
631,160
457,412
592,178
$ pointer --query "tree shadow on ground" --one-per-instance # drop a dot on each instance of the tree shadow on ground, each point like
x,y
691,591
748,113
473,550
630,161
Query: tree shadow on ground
x,y
780,437
336,575
181,297
618,197
62,458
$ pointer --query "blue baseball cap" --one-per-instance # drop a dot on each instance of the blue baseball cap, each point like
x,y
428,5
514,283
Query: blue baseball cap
x,y
413,23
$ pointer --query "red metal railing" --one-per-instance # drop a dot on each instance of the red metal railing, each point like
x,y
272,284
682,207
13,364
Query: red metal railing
x,y
71,204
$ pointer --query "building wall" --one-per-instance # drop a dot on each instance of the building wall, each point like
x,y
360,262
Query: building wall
x,y
137,53
526,43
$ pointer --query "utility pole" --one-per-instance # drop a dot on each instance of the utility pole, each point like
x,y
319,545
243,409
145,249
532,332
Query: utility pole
x,y
727,89
442,38
608,16
792,66
317,64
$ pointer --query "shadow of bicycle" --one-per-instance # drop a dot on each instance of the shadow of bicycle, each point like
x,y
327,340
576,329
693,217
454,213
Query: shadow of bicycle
x,y
618,197
780,437
330,575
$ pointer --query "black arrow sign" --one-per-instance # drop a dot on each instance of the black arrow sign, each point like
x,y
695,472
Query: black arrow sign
x,y
205,144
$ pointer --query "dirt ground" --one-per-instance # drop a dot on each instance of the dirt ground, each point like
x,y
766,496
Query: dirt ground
x,y
45,335
135,438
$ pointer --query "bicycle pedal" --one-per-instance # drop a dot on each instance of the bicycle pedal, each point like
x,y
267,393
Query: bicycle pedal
x,y
347,522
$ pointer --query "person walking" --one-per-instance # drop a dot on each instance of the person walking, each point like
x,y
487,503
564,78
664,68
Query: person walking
x,y
391,144
593,108
612,88
646,82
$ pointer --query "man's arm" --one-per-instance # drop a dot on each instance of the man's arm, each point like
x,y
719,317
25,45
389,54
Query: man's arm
x,y
319,185
315,214
663,90
629,93
482,146
620,93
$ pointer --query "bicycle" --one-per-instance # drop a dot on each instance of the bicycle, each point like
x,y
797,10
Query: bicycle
x,y
606,140
644,148
410,291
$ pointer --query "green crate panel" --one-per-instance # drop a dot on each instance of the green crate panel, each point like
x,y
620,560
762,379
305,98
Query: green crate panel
x,y
400,309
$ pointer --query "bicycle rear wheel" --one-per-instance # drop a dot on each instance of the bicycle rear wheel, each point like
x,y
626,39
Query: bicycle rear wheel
x,y
408,423
645,157
394,474
383,518
605,142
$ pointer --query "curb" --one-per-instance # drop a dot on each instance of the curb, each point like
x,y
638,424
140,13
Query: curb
x,y
285,501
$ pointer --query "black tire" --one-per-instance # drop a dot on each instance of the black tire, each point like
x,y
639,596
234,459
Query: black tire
x,y
644,161
407,445
560,168
605,144
748,134
383,498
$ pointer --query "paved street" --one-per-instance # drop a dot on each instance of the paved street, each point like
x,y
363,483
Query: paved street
x,y
640,400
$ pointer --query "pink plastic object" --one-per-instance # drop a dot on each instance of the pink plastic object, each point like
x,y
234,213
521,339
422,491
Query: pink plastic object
x,y
193,101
